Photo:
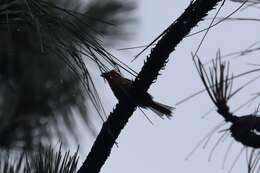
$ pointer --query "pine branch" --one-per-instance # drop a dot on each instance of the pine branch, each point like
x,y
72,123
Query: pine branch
x,y
155,62
106,138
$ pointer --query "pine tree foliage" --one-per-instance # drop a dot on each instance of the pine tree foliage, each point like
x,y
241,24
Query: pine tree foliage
x,y
45,50
45,160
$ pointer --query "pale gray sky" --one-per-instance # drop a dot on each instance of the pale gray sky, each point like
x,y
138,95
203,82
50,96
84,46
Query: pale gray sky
x,y
163,147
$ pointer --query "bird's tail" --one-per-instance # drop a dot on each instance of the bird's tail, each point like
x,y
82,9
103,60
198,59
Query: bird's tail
x,y
161,109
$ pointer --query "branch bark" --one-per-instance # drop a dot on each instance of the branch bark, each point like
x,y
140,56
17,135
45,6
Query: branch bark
x,y
158,58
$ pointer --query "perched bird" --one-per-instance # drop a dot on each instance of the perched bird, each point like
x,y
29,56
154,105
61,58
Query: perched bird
x,y
121,89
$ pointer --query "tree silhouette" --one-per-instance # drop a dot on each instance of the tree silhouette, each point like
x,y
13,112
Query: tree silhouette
x,y
217,81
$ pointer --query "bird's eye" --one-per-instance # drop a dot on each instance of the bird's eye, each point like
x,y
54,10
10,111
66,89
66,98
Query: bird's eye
x,y
114,75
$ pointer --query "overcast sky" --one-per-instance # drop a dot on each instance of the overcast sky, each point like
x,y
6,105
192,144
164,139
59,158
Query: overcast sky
x,y
163,147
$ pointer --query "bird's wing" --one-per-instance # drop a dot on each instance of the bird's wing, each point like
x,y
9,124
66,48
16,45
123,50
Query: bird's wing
x,y
127,83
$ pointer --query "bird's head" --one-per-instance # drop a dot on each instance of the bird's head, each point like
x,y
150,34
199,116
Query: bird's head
x,y
113,74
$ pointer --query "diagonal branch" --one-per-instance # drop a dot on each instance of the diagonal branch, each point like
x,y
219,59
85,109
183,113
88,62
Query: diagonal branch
x,y
111,129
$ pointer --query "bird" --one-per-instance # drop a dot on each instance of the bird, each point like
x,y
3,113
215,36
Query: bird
x,y
121,87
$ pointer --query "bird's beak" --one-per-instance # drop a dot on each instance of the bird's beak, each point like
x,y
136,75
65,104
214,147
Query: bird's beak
x,y
102,75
